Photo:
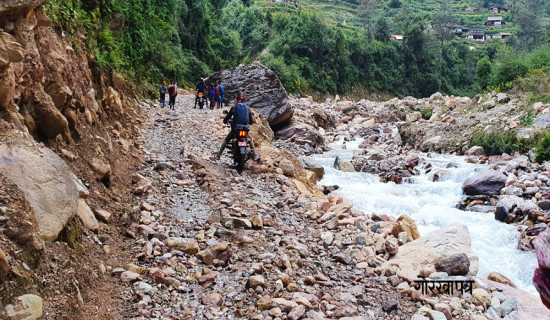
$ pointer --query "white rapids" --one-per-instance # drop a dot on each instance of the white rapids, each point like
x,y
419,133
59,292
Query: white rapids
x,y
432,206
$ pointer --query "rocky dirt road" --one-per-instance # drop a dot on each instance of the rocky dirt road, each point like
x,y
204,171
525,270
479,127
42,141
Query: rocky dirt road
x,y
213,244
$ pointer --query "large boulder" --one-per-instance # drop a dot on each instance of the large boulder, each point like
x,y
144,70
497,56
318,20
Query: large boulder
x,y
46,181
431,249
301,133
487,182
263,89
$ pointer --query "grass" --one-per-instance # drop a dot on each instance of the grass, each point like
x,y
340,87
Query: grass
x,y
497,143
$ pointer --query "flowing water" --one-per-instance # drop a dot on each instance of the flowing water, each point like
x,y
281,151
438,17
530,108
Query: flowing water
x,y
432,206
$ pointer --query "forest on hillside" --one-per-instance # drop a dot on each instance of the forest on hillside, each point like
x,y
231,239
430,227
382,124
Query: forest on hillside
x,y
151,40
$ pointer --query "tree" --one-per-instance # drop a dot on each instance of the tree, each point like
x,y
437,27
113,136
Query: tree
x,y
367,12
483,73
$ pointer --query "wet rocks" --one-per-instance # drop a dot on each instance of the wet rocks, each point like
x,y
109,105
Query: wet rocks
x,y
488,182
500,278
455,265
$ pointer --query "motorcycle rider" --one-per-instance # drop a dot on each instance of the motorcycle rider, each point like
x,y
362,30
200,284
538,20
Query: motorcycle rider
x,y
232,114
201,87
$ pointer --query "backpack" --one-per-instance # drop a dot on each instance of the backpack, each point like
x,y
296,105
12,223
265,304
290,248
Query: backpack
x,y
172,90
163,90
241,114
220,87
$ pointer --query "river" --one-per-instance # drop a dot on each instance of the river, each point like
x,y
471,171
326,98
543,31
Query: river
x,y
432,206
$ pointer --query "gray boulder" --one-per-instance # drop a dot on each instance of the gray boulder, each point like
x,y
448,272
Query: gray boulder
x,y
47,183
542,121
301,133
263,89
488,182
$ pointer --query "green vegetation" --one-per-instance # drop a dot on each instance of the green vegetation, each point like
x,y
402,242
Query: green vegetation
x,y
426,113
334,46
497,143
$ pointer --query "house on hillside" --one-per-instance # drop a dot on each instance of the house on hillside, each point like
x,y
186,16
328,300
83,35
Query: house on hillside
x,y
397,37
476,35
494,21
461,31
501,36
495,9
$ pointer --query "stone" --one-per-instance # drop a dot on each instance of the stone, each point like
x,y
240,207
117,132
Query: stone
x,y
489,104
143,287
256,281
343,165
542,121
455,265
297,313
264,303
436,315
212,299
86,215
129,276
405,224
288,167
445,309
544,204
42,176
4,265
500,278
48,119
425,251
508,306
264,91
300,133
480,297
102,169
185,245
431,144
502,98
475,151
103,215
25,307
487,182
59,92
413,117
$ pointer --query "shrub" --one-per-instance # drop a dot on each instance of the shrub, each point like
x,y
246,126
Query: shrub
x,y
426,113
543,147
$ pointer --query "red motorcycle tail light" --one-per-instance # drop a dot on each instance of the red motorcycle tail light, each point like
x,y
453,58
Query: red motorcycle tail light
x,y
242,134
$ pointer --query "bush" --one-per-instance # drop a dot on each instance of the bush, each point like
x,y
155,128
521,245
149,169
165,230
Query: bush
x,y
543,147
498,143
426,113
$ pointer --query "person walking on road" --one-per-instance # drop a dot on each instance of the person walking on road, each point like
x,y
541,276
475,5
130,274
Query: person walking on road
x,y
221,92
211,96
162,93
172,93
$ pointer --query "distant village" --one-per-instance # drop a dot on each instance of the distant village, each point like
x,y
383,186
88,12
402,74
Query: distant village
x,y
475,34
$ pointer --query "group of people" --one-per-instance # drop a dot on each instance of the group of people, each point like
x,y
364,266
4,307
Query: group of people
x,y
172,91
214,93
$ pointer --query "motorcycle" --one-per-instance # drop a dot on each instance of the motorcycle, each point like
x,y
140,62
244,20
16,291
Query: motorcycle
x,y
201,99
239,145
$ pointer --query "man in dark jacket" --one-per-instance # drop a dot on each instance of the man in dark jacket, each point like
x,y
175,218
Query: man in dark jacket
x,y
233,114
201,87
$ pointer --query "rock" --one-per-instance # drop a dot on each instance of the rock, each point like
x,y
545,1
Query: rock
x,y
427,250
212,252
238,223
264,303
502,98
431,144
102,169
188,246
300,133
142,287
48,119
413,117
439,175
488,182
475,151
59,92
505,205
288,167
319,172
103,215
500,278
436,315
256,281
544,204
4,265
343,165
297,313
542,121
405,224
129,276
43,176
25,307
86,215
480,297
445,309
455,265
508,306
212,299
489,104
263,89
528,305
112,101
